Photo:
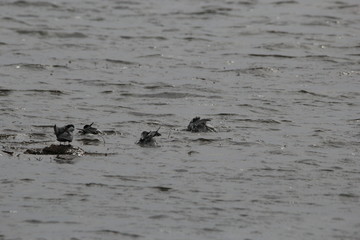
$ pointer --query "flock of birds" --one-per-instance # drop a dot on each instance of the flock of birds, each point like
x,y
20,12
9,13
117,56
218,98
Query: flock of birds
x,y
65,134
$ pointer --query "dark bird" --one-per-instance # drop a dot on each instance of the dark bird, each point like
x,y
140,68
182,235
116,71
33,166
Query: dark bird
x,y
200,125
64,134
88,129
147,138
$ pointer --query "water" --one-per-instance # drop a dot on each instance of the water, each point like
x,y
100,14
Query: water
x,y
279,79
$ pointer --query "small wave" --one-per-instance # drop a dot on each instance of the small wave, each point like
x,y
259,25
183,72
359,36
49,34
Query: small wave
x,y
43,33
349,195
212,10
283,33
30,66
168,95
126,178
321,17
256,71
228,114
270,121
157,55
22,3
99,154
70,35
35,66
343,5
90,141
114,232
160,216
334,143
312,93
325,23
160,38
285,2
32,92
244,143
92,184
270,55
5,92
36,221
162,189
157,115
52,92
310,162
14,20
65,159
324,58
111,132
190,39
119,61
212,230
159,85
280,169
206,140
279,46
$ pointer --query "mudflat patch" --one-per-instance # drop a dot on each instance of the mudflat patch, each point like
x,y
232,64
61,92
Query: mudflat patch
x,y
56,150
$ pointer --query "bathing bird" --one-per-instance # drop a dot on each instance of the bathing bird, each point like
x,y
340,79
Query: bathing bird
x,y
147,138
200,125
89,129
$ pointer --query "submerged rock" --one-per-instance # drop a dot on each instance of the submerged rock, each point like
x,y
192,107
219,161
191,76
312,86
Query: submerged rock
x,y
56,150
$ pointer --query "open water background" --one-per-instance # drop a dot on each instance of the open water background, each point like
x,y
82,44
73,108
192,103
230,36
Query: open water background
x,y
280,80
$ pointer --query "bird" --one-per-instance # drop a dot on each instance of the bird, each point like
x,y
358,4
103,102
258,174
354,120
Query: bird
x,y
64,134
200,125
89,129
147,138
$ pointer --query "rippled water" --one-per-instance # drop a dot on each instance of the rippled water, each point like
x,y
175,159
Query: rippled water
x,y
279,79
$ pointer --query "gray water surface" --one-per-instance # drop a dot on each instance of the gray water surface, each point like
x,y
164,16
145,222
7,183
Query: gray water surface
x,y
279,79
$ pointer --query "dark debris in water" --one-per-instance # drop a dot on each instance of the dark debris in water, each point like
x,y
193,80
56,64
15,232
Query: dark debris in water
x,y
56,150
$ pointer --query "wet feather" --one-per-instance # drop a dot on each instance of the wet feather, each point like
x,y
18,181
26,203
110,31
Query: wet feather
x,y
64,134
200,125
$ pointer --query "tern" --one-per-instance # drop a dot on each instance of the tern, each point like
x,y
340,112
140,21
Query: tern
x,y
200,125
64,134
147,138
89,129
